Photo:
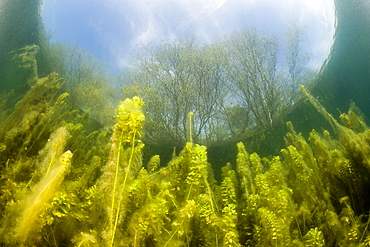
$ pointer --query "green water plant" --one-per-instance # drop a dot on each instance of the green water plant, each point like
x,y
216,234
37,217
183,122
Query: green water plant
x,y
125,159
25,57
28,223
314,193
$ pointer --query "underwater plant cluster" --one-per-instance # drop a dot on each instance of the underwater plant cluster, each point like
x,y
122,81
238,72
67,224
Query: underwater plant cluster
x,y
67,181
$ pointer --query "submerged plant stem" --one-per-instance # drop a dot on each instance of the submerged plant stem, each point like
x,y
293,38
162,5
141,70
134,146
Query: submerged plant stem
x,y
123,187
51,162
115,180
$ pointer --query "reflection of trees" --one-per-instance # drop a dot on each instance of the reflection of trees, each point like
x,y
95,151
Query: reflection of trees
x,y
252,70
296,58
257,76
176,79
230,86
237,119
86,79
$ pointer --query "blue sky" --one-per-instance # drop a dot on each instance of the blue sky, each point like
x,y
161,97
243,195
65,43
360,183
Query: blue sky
x,y
113,30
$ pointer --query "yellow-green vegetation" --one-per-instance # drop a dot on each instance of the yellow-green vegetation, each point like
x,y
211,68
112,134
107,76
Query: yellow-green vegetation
x,y
315,193
41,194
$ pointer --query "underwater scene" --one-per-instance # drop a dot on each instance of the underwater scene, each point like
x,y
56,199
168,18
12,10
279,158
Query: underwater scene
x,y
249,140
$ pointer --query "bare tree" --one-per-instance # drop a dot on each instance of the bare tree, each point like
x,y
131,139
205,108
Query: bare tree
x,y
87,80
230,86
257,73
296,60
252,72
178,78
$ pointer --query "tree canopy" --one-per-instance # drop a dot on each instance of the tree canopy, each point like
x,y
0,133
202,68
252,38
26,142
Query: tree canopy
x,y
241,82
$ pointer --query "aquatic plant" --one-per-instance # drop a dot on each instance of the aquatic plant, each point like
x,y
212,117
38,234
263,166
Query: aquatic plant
x,y
25,57
125,161
313,194
41,194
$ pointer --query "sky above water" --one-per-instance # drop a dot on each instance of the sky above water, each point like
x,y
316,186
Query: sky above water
x,y
114,30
